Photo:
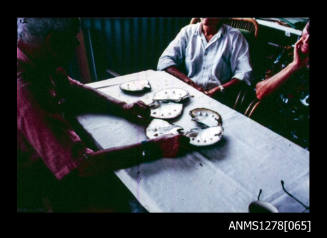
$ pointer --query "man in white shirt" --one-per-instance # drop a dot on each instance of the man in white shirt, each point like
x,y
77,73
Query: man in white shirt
x,y
215,57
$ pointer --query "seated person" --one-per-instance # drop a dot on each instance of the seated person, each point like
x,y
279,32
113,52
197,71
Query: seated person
x,y
215,57
285,93
52,159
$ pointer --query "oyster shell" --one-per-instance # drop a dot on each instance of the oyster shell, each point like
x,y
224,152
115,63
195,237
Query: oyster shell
x,y
135,86
171,94
205,137
206,117
158,127
167,110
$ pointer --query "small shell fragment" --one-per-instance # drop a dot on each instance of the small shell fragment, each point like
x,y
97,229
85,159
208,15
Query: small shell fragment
x,y
168,110
206,117
136,85
158,127
205,137
171,94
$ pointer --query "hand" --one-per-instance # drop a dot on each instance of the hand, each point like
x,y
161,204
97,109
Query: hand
x,y
139,111
170,146
212,91
259,89
299,59
199,88
194,85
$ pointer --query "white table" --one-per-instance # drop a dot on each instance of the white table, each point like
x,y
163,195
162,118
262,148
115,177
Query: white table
x,y
222,178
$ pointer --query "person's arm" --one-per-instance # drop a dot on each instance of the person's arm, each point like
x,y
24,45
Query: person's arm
x,y
240,65
270,85
50,135
95,99
224,87
168,146
63,151
178,74
240,60
83,98
174,54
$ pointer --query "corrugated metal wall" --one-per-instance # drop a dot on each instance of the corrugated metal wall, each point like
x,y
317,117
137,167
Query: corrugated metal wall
x,y
127,45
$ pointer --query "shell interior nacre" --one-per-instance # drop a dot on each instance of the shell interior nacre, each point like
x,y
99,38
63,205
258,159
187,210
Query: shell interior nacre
x,y
136,85
206,117
171,94
167,110
159,127
205,137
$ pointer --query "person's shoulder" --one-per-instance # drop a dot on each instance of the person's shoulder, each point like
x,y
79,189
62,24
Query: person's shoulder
x,y
194,26
190,29
231,31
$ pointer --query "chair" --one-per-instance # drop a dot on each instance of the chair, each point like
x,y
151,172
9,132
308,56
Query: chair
x,y
249,28
245,25
252,107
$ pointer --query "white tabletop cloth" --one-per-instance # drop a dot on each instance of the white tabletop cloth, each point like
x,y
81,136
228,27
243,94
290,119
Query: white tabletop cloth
x,y
225,177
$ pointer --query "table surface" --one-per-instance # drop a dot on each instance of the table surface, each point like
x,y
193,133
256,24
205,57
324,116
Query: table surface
x,y
225,177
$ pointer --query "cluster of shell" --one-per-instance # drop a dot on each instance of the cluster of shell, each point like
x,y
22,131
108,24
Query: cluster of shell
x,y
211,127
168,105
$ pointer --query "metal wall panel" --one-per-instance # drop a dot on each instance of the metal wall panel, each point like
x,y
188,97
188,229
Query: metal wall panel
x,y
127,45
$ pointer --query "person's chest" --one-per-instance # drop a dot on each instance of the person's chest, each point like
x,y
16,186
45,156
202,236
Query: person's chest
x,y
199,50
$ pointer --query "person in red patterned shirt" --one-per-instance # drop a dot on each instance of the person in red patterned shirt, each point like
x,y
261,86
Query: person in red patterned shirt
x,y
52,159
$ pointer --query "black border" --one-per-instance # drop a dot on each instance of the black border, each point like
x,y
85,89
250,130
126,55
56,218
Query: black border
x,y
184,221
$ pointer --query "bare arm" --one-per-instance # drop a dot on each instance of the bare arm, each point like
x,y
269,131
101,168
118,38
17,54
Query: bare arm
x,y
92,99
240,66
177,73
227,85
268,86
126,156
63,151
83,98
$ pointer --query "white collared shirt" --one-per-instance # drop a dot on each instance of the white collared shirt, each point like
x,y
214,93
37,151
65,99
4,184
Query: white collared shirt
x,y
212,63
